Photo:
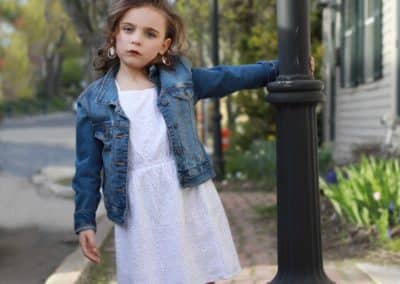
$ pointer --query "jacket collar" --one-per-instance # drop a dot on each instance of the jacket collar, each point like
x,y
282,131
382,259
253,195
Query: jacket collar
x,y
163,78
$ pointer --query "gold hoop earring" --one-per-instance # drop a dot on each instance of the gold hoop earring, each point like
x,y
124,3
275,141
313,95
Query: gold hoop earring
x,y
111,52
165,60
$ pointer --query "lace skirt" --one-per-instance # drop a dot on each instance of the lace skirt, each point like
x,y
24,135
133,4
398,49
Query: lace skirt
x,y
173,235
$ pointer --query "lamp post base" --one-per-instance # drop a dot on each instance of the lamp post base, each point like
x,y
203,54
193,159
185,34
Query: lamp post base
x,y
299,232
312,278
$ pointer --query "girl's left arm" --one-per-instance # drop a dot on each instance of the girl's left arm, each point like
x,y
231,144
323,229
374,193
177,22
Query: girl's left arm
x,y
218,81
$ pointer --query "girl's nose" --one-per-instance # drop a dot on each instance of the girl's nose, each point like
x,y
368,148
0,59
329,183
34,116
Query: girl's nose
x,y
136,38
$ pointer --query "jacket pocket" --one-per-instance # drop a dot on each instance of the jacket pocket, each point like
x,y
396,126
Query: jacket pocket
x,y
181,92
182,96
103,132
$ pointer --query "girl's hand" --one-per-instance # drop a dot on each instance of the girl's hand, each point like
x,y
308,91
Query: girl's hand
x,y
87,242
312,65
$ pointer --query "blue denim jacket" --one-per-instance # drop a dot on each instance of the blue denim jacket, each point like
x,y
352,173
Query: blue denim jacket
x,y
102,131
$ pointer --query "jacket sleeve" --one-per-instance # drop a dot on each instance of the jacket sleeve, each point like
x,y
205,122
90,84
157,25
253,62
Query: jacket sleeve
x,y
86,181
218,81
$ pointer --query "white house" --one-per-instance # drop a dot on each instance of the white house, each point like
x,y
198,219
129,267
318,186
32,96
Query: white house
x,y
361,69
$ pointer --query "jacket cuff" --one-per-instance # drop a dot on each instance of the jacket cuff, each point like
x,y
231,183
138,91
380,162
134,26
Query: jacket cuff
x,y
84,220
272,69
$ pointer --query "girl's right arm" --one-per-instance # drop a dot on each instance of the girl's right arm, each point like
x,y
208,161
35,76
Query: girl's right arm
x,y
88,164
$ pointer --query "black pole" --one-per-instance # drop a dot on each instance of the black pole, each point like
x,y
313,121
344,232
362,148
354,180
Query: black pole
x,y
295,95
218,158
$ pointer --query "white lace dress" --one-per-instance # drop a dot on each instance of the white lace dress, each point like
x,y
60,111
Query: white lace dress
x,y
172,235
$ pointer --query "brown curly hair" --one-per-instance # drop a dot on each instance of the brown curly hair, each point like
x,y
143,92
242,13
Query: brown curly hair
x,y
175,30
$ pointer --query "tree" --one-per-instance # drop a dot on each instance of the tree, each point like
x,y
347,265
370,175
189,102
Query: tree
x,y
196,16
46,29
88,18
17,69
45,24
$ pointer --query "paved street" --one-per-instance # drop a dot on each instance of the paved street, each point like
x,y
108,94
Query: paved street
x,y
42,140
35,228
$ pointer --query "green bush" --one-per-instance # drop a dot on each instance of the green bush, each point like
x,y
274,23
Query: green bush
x,y
367,194
71,71
259,161
256,163
71,76
33,106
325,159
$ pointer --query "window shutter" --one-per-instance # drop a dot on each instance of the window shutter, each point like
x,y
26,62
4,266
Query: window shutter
x,y
349,61
369,40
360,37
378,40
341,48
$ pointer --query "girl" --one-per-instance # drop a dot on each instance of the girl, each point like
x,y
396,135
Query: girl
x,y
136,138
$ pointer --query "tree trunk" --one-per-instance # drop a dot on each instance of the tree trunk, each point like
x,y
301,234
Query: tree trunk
x,y
88,17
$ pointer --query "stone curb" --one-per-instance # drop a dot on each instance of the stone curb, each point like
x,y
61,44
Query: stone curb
x,y
46,178
76,264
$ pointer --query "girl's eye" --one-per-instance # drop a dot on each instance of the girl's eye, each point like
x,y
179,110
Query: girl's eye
x,y
127,29
150,34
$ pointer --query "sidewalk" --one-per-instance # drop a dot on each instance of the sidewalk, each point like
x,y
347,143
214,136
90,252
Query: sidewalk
x,y
35,231
256,244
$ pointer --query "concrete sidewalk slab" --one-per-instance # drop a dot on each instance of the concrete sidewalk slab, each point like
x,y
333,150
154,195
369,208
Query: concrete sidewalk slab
x,y
381,274
76,264
23,204
36,231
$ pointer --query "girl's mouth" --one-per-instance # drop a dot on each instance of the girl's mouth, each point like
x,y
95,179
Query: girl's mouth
x,y
133,52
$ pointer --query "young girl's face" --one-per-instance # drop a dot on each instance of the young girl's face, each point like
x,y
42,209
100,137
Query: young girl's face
x,y
142,30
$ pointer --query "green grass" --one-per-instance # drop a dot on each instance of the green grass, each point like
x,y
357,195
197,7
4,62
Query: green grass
x,y
265,211
392,245
103,272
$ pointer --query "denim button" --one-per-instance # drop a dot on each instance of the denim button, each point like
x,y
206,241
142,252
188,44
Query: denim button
x,y
164,101
193,171
179,150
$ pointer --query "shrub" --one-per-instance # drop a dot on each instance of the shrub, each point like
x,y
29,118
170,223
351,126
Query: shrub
x,y
259,162
325,159
367,194
256,163
33,106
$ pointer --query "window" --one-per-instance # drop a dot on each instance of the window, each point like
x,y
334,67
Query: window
x,y
349,48
361,56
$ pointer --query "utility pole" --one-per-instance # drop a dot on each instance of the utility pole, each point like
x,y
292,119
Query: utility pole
x,y
296,94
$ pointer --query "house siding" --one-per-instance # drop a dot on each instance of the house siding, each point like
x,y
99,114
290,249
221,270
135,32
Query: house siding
x,y
359,109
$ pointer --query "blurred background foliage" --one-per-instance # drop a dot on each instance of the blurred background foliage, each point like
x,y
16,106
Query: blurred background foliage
x,y
47,47
40,57
248,33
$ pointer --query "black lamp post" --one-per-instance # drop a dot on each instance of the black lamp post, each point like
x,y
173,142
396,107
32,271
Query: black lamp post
x,y
295,95
218,158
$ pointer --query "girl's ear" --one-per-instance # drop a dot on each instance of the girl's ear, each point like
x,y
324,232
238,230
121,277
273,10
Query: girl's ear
x,y
166,44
